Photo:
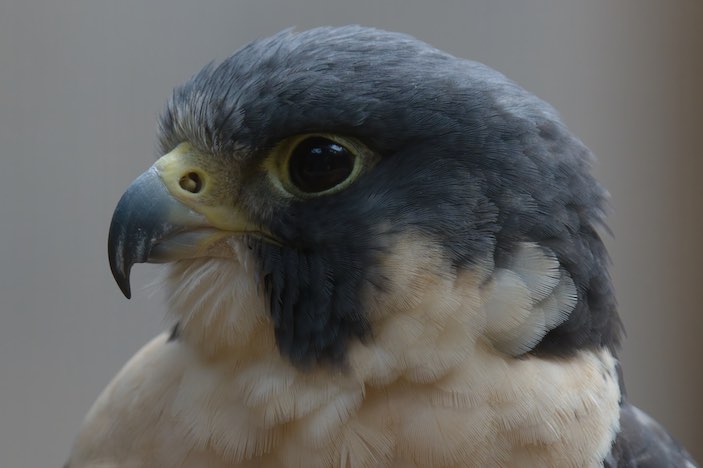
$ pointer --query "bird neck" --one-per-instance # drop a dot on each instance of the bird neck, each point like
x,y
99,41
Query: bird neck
x,y
431,363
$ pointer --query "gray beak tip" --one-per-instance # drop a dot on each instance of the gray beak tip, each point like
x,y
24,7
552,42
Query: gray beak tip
x,y
119,265
125,290
122,280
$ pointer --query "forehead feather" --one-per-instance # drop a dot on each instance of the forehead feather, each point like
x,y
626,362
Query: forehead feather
x,y
337,78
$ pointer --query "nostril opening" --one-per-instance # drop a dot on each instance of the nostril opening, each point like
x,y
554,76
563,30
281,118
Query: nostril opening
x,y
191,182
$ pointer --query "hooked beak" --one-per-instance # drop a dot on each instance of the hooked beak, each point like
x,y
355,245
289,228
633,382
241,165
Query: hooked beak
x,y
175,210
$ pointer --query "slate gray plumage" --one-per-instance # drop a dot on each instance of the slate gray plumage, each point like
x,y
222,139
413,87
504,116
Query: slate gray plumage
x,y
464,160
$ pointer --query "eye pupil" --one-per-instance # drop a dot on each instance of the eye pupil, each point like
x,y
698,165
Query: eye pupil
x,y
318,164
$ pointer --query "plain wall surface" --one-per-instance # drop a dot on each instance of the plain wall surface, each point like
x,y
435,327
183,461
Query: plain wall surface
x,y
81,85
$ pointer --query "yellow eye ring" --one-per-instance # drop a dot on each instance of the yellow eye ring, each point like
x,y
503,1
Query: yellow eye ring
x,y
316,164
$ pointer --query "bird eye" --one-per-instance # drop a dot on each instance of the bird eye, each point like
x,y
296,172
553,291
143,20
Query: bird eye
x,y
317,164
310,165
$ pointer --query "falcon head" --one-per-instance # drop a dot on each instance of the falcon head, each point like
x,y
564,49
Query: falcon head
x,y
354,196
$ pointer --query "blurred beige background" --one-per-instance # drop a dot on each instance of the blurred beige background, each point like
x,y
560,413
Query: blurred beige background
x,y
81,84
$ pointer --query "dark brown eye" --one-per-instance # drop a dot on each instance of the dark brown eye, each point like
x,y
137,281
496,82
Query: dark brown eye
x,y
317,164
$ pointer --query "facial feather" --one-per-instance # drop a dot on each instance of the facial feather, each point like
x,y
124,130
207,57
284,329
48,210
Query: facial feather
x,y
529,298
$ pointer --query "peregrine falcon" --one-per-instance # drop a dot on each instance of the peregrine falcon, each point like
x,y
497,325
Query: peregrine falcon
x,y
379,255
